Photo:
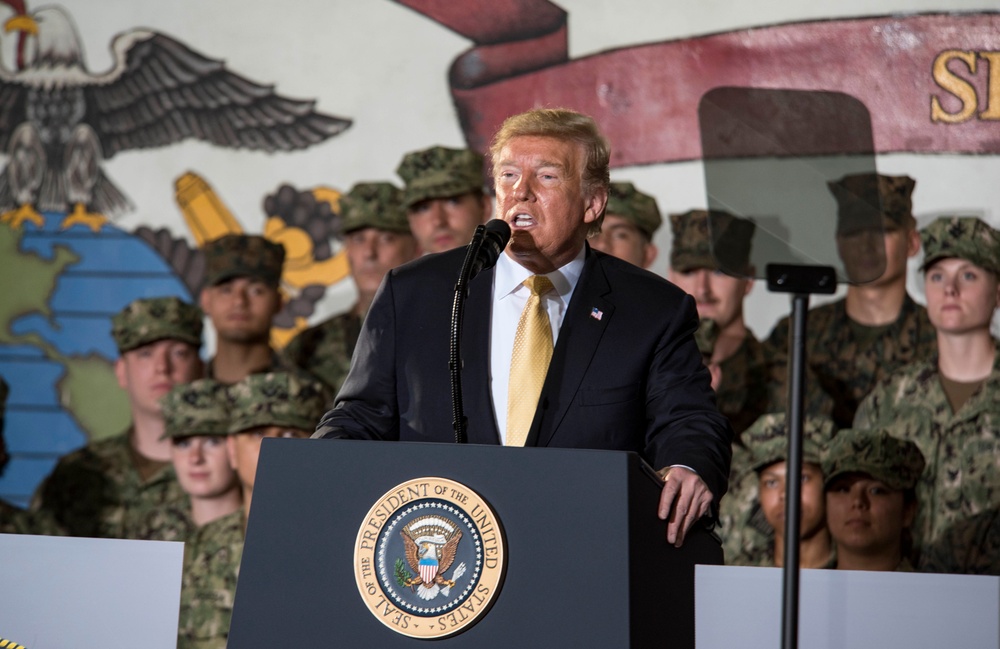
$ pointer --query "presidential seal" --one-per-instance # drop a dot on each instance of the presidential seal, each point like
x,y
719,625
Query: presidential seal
x,y
429,558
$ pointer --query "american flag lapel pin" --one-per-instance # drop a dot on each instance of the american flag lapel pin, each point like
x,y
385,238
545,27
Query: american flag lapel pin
x,y
596,313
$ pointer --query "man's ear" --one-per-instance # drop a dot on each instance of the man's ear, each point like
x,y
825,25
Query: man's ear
x,y
231,451
912,242
650,254
120,373
595,204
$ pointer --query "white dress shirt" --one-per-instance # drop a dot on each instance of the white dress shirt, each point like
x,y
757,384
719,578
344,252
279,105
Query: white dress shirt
x,y
509,297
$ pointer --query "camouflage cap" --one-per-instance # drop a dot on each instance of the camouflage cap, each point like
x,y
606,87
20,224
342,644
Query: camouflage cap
x,y
439,172
276,399
961,236
691,247
706,335
897,463
200,407
856,196
767,439
639,209
243,255
374,205
147,320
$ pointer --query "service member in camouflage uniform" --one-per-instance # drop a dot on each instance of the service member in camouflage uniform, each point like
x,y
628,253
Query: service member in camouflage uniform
x,y
969,547
197,420
705,337
855,342
752,530
241,297
275,404
377,239
631,218
443,196
109,487
871,498
742,393
949,405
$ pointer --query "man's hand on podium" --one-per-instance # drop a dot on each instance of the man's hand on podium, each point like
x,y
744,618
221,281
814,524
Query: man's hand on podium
x,y
685,498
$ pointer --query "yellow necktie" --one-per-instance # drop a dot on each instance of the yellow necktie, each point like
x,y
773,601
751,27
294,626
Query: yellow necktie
x,y
529,362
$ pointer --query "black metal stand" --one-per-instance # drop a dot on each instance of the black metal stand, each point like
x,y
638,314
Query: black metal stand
x,y
800,281
460,422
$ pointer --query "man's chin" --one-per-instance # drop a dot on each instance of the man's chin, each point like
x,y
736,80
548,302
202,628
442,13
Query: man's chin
x,y
243,337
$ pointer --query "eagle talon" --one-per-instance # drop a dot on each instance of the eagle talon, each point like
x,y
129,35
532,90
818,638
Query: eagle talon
x,y
81,216
16,218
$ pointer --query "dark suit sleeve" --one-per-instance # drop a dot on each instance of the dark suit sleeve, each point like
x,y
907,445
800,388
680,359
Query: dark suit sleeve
x,y
683,424
367,406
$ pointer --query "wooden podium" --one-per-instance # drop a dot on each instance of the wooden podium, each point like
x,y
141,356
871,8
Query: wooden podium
x,y
586,562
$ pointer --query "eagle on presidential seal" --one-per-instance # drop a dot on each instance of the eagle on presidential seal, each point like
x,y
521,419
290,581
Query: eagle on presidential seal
x,y
431,543
58,120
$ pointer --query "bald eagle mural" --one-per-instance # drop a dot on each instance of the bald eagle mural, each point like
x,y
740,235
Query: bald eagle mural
x,y
58,121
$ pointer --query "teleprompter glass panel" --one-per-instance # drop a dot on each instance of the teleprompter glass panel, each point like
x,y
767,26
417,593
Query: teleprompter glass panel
x,y
790,179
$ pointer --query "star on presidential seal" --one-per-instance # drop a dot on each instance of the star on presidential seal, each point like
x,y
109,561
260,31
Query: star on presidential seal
x,y
429,558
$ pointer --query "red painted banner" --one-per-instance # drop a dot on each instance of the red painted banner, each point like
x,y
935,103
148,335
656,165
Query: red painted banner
x,y
931,82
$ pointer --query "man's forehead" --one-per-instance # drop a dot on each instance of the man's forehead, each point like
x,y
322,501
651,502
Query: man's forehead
x,y
542,150
616,221
162,342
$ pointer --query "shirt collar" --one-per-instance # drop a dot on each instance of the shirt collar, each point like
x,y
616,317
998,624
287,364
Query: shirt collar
x,y
509,275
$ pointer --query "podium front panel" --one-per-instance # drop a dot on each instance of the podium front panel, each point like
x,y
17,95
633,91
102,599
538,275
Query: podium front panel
x,y
587,564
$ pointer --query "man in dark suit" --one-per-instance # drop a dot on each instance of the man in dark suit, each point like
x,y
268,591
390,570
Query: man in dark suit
x,y
625,372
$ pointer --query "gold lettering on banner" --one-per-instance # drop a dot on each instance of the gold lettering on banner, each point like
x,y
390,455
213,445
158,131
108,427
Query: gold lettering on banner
x,y
964,89
992,110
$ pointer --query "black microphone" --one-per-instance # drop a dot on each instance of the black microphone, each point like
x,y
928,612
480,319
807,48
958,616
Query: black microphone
x,y
494,235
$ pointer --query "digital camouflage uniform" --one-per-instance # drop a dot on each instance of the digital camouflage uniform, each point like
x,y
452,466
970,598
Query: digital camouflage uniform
x,y
439,172
878,453
742,392
325,350
970,547
212,551
845,359
961,448
212,556
97,490
747,537
634,206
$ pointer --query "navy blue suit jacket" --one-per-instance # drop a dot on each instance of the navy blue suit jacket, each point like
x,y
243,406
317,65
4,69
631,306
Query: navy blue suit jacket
x,y
631,379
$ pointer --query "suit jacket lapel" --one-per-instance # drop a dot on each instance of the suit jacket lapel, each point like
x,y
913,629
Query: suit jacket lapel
x,y
476,393
587,317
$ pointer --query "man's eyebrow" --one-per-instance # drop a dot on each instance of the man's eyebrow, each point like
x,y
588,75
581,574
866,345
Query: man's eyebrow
x,y
541,163
557,165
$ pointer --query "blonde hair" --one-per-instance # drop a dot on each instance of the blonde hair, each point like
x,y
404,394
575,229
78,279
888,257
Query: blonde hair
x,y
567,125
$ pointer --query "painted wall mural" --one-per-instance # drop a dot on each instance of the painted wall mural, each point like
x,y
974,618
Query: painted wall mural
x,y
81,233
67,268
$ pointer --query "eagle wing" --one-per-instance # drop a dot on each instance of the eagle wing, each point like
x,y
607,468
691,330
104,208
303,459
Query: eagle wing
x,y
448,552
13,106
412,552
160,91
